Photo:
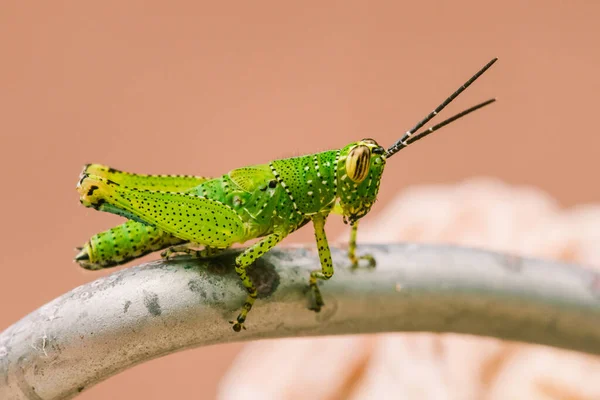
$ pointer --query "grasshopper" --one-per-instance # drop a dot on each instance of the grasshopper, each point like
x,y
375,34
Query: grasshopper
x,y
202,216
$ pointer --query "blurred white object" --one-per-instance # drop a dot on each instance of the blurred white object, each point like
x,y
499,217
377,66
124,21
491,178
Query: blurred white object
x,y
479,213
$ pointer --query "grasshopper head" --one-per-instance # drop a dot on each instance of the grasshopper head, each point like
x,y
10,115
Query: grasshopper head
x,y
361,164
359,170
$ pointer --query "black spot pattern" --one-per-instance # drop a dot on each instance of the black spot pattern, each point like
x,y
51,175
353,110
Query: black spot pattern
x,y
184,215
124,243
309,180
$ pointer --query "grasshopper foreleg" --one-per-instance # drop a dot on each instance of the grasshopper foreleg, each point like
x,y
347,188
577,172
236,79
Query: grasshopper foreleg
x,y
354,259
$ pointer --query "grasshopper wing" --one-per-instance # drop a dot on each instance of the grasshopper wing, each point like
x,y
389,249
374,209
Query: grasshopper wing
x,y
184,215
251,178
168,183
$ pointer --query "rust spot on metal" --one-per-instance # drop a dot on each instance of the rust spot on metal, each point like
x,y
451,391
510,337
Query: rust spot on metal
x,y
264,276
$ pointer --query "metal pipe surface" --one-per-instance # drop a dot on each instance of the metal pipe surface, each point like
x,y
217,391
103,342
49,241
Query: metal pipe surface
x,y
144,312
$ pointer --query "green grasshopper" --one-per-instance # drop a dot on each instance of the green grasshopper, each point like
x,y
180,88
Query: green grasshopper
x,y
204,216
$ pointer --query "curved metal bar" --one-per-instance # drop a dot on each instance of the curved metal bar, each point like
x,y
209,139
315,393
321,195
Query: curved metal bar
x,y
144,312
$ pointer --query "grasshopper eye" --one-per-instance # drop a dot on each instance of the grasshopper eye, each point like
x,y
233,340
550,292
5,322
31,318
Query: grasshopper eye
x,y
358,162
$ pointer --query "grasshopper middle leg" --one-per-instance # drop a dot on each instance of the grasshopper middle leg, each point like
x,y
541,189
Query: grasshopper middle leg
x,y
247,258
326,270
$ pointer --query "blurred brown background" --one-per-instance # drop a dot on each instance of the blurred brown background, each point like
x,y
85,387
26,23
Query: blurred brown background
x,y
201,88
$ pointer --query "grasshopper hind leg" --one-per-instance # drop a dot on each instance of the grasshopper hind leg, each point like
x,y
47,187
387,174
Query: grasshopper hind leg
x,y
192,250
122,244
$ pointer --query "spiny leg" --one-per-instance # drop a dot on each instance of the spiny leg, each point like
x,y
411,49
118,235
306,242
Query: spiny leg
x,y
326,270
248,257
352,249
191,249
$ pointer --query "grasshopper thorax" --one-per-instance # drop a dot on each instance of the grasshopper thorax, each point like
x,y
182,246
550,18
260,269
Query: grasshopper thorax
x,y
359,172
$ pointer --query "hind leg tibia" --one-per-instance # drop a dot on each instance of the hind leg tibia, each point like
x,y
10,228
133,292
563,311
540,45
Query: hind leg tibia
x,y
192,250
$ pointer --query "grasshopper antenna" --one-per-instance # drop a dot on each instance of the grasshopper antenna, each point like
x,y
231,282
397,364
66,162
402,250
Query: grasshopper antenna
x,y
445,122
405,140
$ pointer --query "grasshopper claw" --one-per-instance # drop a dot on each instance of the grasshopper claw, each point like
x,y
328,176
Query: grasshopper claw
x,y
237,326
